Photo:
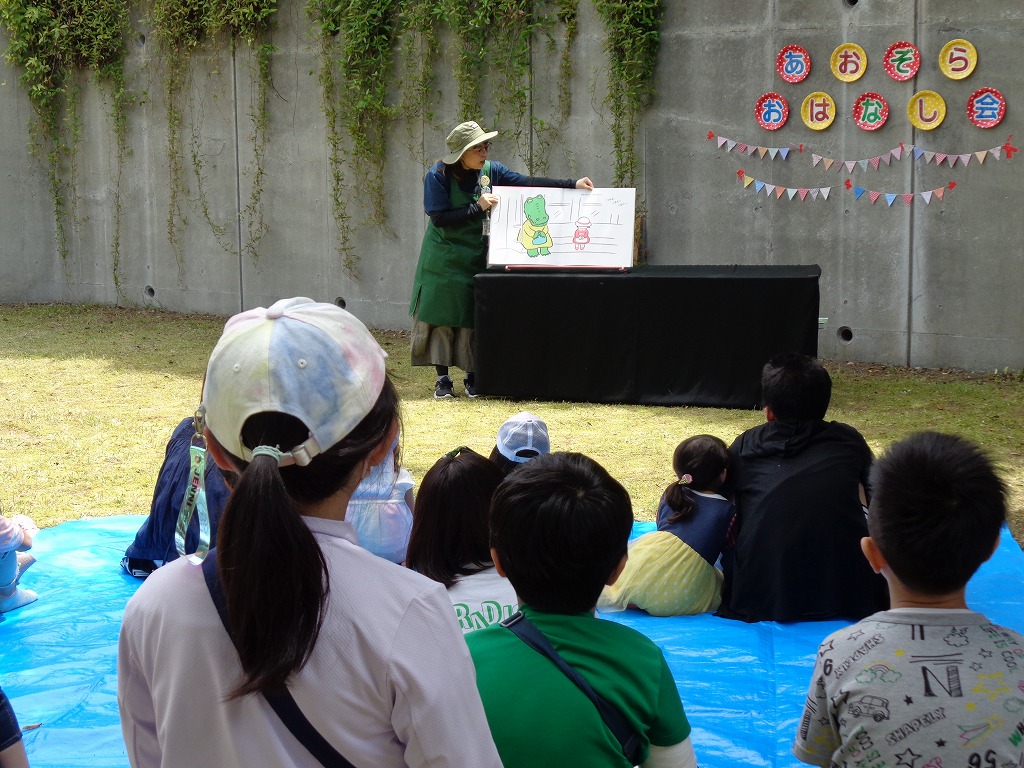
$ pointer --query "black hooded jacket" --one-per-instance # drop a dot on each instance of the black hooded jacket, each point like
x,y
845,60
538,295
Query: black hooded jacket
x,y
797,557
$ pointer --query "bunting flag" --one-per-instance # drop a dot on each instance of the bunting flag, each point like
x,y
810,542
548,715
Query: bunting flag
x,y
773,190
814,193
891,197
774,153
901,152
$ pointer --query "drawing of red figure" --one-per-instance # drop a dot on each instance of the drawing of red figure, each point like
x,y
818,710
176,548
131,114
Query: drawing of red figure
x,y
581,237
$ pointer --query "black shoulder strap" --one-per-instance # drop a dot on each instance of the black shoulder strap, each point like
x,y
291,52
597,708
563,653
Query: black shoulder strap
x,y
282,703
626,735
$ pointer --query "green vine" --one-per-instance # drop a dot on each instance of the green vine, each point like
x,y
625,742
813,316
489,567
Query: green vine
x,y
357,43
252,213
183,27
566,19
250,22
417,52
377,62
632,27
335,151
494,40
50,40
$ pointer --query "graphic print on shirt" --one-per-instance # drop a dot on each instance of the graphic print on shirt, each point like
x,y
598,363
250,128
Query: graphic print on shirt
x,y
491,612
891,695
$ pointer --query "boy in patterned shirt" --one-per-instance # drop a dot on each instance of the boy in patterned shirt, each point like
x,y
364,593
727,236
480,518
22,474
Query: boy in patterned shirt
x,y
928,683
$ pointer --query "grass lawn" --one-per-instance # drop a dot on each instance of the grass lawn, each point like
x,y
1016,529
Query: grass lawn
x,y
91,394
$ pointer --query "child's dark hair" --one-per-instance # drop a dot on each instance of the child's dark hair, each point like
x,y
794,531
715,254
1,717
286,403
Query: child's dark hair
x,y
936,509
701,458
274,574
560,524
503,464
449,522
796,387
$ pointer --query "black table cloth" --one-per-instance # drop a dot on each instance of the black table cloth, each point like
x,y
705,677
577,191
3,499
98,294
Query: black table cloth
x,y
655,335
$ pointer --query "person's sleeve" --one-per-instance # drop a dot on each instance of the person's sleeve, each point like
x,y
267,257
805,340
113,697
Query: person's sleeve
x,y
816,735
404,481
135,701
670,725
679,755
437,712
437,199
506,177
11,535
456,215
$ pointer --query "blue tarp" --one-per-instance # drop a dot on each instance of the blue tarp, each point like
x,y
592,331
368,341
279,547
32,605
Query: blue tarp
x,y
743,685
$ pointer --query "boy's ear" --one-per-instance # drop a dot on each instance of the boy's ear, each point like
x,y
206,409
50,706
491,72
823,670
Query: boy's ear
x,y
497,563
874,555
769,414
614,576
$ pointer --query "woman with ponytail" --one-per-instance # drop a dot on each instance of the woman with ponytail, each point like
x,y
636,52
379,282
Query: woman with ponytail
x,y
297,403
671,571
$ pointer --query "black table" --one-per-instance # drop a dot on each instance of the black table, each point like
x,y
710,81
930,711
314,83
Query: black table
x,y
655,335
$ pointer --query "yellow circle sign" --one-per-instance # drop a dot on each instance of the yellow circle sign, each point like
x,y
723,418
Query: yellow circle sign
x,y
818,111
957,59
926,110
849,62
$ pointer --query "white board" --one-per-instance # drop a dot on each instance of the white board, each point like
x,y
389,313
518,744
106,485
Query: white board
x,y
582,228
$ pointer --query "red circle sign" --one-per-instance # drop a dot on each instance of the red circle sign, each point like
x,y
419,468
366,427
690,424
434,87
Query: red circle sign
x,y
902,60
986,107
771,111
870,111
793,63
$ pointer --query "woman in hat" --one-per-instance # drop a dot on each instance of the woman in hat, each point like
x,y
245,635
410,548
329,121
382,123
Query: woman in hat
x,y
297,402
457,197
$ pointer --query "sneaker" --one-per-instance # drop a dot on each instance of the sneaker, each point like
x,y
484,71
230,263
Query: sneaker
x,y
470,386
16,599
443,388
138,567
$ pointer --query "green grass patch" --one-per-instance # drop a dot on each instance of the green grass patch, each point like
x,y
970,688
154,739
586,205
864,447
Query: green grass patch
x,y
91,395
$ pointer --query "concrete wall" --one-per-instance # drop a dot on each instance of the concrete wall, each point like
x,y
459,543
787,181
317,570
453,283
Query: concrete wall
x,y
925,285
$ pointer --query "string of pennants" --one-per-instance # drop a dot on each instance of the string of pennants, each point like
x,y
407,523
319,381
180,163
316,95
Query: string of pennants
x,y
778,191
901,152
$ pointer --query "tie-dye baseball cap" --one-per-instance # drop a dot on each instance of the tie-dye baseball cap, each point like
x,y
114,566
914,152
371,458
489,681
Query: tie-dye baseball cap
x,y
307,359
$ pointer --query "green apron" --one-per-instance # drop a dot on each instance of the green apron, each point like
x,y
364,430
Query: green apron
x,y
442,291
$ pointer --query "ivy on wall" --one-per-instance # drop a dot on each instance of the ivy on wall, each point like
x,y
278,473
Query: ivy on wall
x,y
377,65
51,40
356,42
183,27
632,28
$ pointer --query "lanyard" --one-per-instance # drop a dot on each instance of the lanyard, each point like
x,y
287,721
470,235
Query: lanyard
x,y
195,495
484,185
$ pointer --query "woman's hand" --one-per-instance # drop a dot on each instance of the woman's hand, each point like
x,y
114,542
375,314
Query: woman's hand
x,y
584,183
487,200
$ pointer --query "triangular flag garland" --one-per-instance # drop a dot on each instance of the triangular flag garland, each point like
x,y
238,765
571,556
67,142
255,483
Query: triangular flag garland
x,y
901,152
775,153
814,193
790,192
890,197
896,153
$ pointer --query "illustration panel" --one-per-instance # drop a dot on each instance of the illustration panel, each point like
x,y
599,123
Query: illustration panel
x,y
543,226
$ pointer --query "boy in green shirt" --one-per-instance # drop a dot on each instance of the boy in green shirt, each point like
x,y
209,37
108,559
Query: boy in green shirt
x,y
559,528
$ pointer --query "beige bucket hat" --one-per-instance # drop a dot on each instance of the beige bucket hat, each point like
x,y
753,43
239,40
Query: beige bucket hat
x,y
462,137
